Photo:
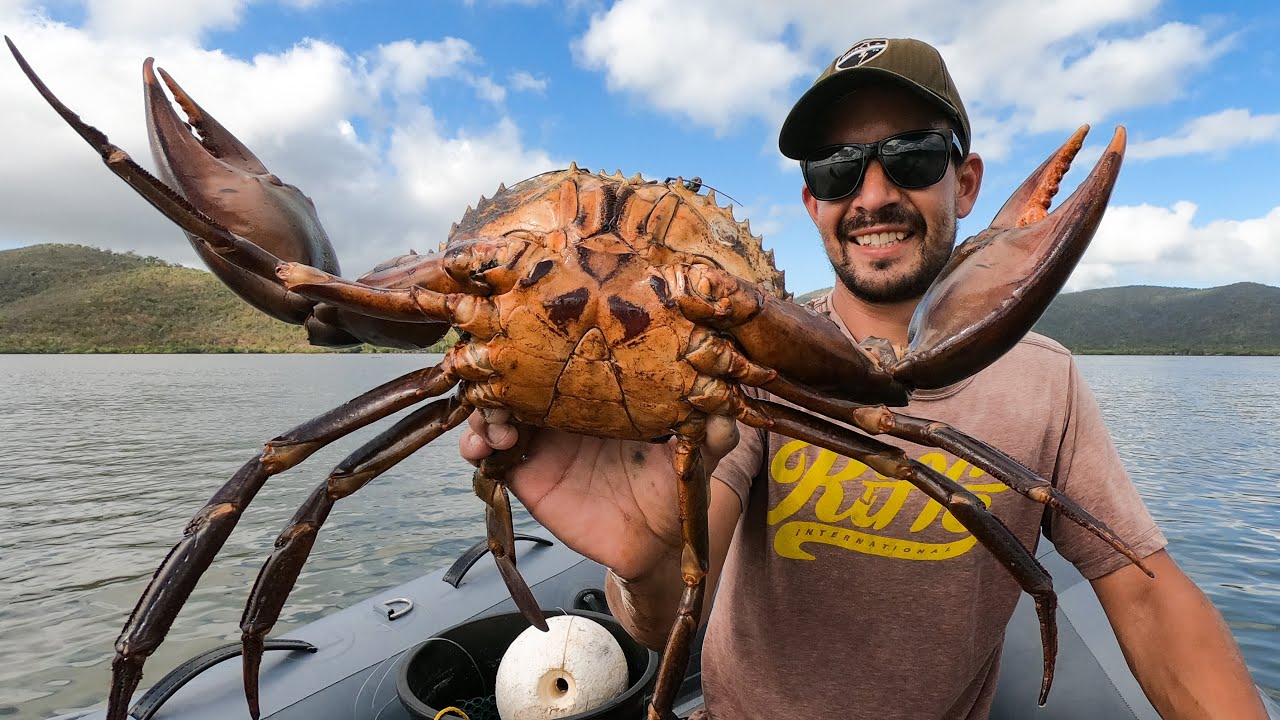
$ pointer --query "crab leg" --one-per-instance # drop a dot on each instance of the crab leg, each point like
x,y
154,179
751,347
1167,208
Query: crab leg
x,y
293,546
773,331
240,219
475,314
489,483
963,505
207,531
694,494
876,420
243,253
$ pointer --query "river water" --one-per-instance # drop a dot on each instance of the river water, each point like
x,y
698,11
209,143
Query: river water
x,y
107,457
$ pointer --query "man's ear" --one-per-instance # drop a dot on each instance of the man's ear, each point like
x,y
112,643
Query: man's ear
x,y
810,203
968,183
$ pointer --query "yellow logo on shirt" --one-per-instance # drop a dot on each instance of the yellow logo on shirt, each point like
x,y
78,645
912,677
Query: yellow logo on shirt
x,y
857,526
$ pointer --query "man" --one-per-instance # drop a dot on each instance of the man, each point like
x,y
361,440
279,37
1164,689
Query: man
x,y
842,593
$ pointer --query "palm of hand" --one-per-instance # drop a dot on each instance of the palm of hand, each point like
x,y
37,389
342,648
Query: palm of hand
x,y
613,501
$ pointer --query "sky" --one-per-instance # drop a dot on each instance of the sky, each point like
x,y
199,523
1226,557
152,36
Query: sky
x,y
395,116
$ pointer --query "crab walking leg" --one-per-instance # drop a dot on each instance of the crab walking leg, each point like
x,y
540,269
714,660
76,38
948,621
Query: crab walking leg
x,y
489,483
963,505
694,494
293,546
472,313
718,357
207,531
878,419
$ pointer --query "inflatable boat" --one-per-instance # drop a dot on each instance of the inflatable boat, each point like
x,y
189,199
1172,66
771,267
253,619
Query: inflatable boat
x,y
351,665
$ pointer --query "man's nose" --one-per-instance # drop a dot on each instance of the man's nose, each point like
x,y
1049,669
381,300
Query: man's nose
x,y
877,189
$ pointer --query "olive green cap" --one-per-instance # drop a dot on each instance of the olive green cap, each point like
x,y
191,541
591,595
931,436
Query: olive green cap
x,y
912,63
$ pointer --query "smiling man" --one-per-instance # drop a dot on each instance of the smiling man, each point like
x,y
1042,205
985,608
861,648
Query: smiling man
x,y
840,592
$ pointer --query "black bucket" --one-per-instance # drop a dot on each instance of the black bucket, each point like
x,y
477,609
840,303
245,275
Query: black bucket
x,y
437,674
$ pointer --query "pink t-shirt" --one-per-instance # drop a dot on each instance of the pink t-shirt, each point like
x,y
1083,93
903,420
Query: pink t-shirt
x,y
850,595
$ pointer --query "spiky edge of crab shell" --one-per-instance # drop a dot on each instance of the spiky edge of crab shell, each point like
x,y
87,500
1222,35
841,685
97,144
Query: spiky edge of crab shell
x,y
734,237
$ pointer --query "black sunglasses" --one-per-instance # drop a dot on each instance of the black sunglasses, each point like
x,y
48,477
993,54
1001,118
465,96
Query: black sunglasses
x,y
911,160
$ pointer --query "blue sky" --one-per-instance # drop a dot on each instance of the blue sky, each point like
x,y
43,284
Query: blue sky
x,y
394,116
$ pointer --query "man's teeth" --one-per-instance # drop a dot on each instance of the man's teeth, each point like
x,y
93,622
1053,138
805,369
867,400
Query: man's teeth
x,y
884,238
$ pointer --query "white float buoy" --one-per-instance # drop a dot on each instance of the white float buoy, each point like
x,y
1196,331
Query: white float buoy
x,y
573,668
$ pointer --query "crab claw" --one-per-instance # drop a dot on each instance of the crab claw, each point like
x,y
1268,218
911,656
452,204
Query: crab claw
x,y
223,179
998,283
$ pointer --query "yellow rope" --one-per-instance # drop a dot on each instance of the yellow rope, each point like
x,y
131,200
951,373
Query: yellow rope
x,y
451,709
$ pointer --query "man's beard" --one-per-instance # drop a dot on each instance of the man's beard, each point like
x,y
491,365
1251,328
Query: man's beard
x,y
933,255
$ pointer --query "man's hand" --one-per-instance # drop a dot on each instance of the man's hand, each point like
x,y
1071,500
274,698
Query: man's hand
x,y
613,501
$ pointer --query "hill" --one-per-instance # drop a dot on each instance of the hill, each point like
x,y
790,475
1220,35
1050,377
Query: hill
x,y
1238,319
77,299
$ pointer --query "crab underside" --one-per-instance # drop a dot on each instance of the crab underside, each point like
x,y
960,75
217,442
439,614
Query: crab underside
x,y
602,305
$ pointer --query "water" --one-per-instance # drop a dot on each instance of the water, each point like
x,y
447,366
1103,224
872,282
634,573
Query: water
x,y
108,456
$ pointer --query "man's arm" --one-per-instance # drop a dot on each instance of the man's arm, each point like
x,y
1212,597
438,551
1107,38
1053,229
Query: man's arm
x,y
646,605
1177,644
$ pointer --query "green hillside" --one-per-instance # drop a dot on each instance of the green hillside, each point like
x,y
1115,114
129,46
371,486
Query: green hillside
x,y
76,299
1239,319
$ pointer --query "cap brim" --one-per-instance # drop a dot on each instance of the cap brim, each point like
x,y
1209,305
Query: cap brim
x,y
797,135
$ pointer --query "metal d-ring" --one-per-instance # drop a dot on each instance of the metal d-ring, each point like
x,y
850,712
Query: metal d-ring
x,y
394,613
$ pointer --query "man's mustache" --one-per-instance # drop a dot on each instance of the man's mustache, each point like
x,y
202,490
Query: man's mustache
x,y
890,215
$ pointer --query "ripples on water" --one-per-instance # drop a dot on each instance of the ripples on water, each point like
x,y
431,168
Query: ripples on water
x,y
109,456
1201,439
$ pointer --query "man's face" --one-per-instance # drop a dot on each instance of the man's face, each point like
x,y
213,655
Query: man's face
x,y
887,243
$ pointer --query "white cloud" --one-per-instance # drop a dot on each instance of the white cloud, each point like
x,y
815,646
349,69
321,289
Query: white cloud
x,y
407,65
1146,70
693,59
1153,245
1217,133
1022,67
522,81
348,129
489,90
147,19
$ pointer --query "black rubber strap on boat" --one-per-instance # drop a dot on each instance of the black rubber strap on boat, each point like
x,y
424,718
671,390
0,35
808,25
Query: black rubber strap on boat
x,y
464,562
150,703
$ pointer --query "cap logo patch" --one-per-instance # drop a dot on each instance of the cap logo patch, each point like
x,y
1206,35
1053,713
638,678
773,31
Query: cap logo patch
x,y
861,53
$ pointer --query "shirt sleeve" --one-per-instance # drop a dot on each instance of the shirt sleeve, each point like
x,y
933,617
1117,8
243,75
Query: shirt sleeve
x,y
742,464
1090,471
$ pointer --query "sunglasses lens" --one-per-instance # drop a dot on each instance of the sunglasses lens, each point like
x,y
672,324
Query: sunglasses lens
x,y
833,173
911,160
916,160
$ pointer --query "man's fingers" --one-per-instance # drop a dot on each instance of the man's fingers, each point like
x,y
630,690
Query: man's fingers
x,y
473,447
482,436
501,437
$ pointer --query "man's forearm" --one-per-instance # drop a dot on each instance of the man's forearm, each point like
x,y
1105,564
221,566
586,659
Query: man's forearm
x,y
1180,649
646,607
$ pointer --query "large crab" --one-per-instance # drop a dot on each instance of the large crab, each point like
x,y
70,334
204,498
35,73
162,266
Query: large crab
x,y
614,307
